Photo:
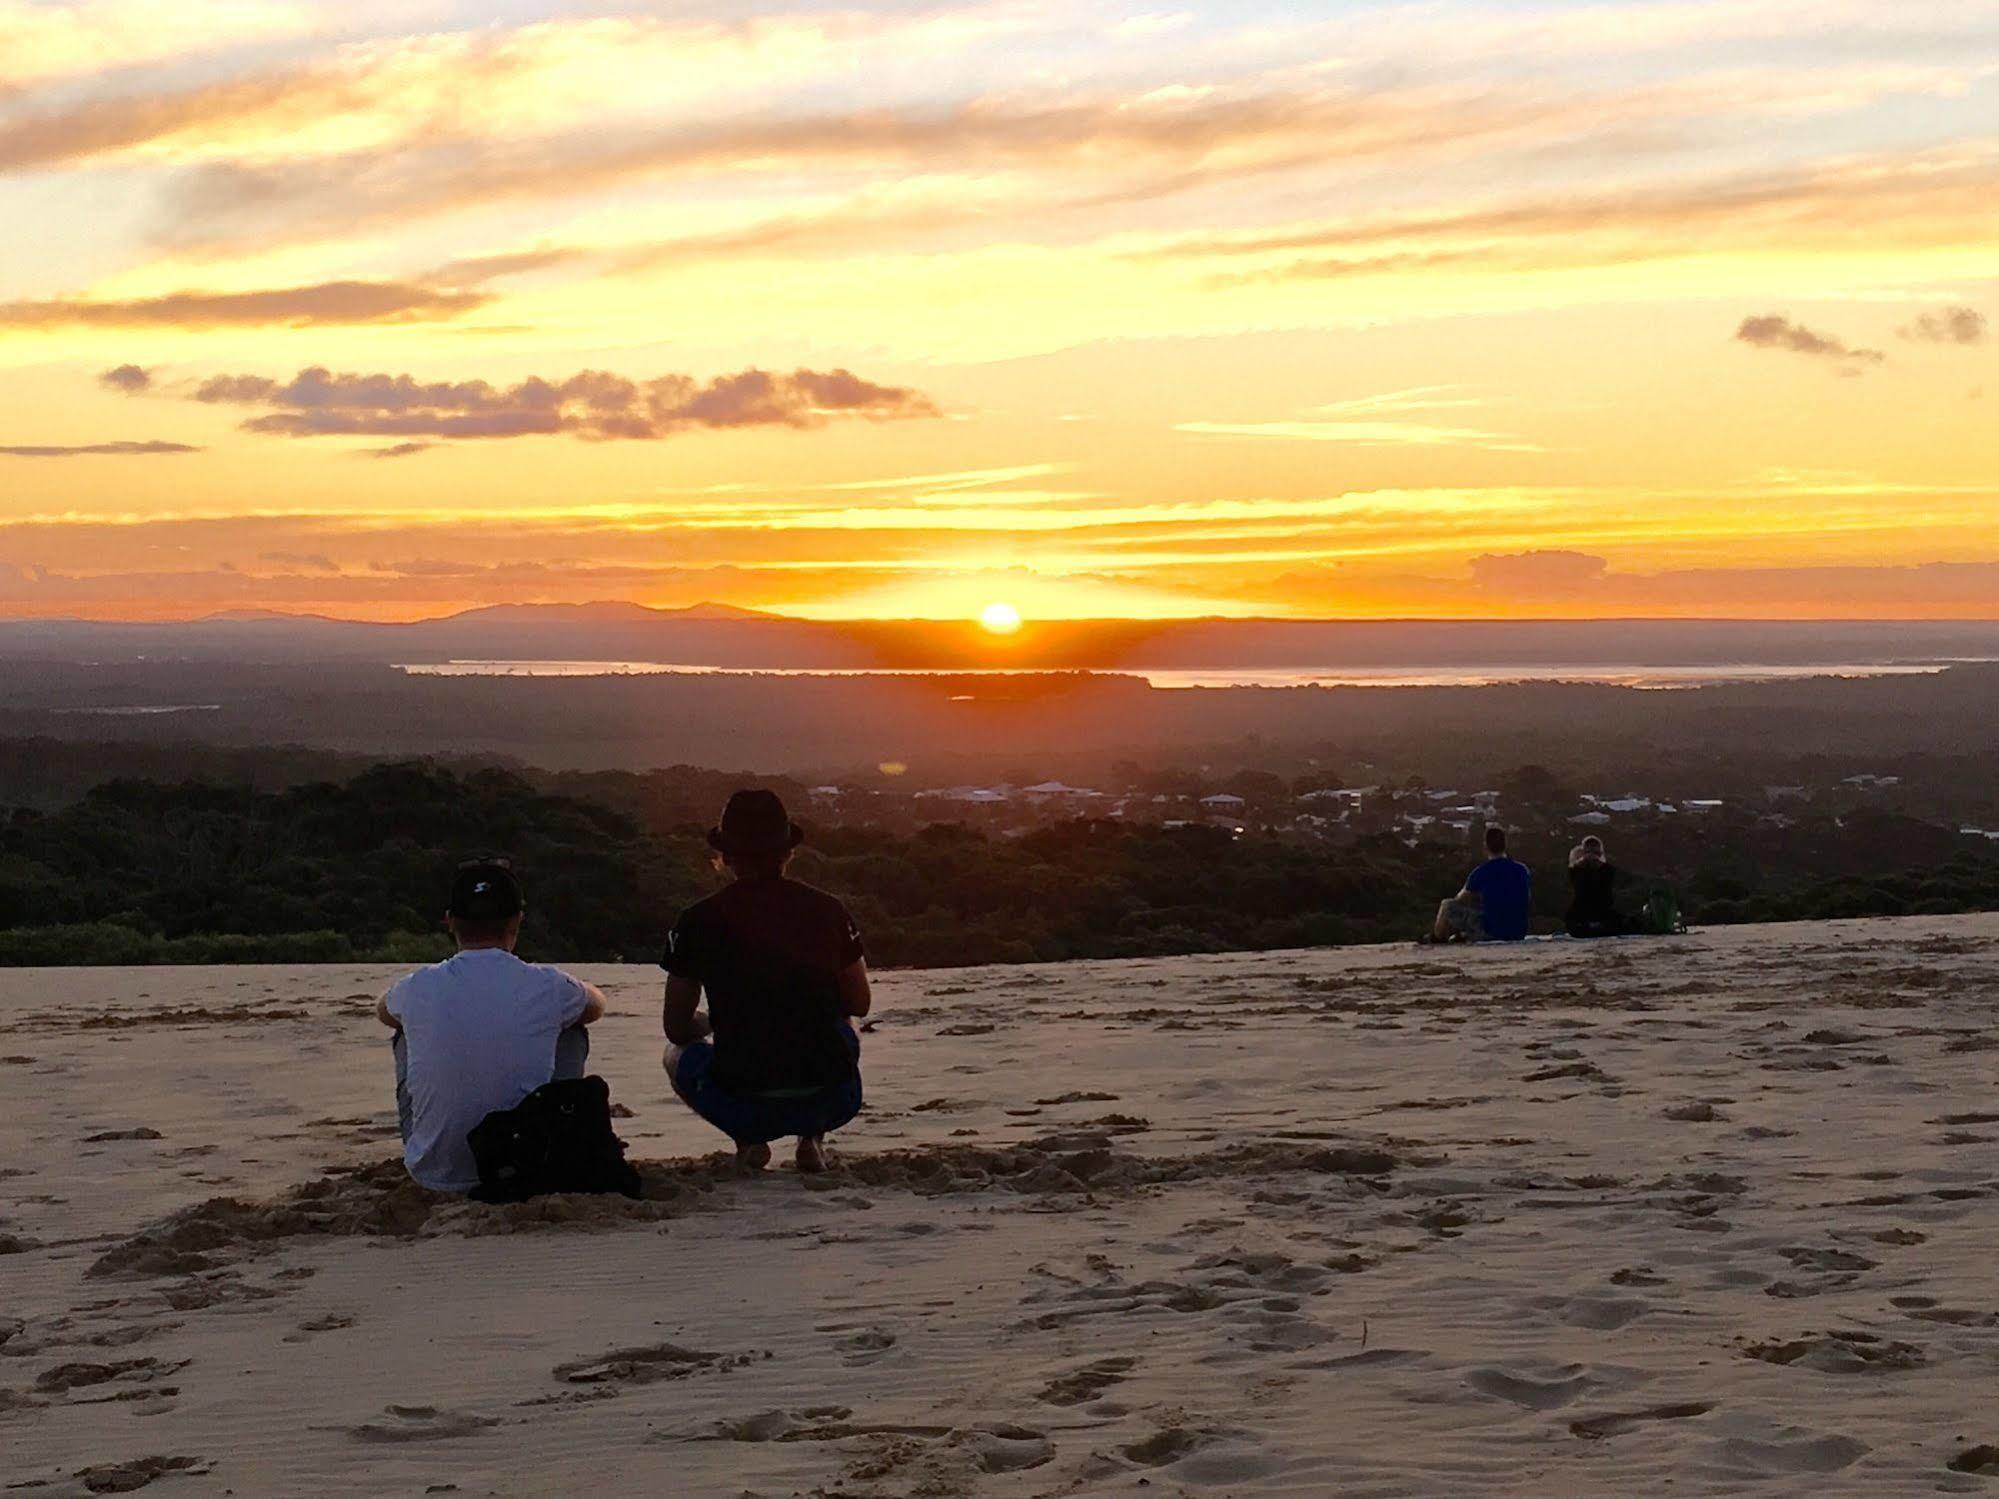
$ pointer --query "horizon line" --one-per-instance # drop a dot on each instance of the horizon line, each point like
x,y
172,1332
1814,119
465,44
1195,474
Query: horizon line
x,y
752,615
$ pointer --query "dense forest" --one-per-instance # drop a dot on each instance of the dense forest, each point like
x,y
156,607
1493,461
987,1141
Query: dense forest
x,y
355,869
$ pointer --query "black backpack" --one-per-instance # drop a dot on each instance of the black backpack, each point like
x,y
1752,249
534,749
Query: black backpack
x,y
558,1139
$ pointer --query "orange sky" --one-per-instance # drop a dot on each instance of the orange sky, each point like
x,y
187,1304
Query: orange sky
x,y
1672,307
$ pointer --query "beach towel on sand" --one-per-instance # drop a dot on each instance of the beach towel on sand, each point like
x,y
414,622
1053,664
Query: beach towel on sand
x,y
557,1139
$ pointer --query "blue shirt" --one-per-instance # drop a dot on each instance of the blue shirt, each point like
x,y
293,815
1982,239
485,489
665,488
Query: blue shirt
x,y
1505,890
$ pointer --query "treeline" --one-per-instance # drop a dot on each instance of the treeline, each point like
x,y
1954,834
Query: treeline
x,y
355,870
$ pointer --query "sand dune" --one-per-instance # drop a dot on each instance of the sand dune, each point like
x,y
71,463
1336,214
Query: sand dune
x,y
1709,1215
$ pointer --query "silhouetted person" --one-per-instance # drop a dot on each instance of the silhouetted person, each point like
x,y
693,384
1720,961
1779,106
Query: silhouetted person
x,y
1496,902
481,1030
785,975
1593,902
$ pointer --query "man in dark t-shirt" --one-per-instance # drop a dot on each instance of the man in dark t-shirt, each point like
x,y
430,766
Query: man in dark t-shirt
x,y
785,975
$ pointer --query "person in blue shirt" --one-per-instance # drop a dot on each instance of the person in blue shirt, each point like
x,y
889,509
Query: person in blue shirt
x,y
1496,902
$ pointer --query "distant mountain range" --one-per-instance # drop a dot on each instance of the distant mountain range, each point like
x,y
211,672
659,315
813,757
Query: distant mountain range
x,y
722,635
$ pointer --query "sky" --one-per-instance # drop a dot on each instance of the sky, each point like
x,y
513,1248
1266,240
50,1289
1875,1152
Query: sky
x,y
1518,308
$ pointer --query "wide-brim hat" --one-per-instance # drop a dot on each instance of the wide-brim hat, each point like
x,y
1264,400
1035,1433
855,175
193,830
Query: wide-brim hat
x,y
755,823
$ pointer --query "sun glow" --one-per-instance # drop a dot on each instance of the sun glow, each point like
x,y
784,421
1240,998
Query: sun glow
x,y
1000,619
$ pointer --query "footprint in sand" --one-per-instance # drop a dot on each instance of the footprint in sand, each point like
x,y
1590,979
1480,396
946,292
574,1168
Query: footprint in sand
x,y
1005,1449
1529,1392
1082,1386
1695,1113
1982,1460
1805,1454
64,1378
420,1423
331,1322
1165,1447
993,1449
1601,1313
1840,1353
642,1366
1617,1423
124,1478
1952,1316
868,1346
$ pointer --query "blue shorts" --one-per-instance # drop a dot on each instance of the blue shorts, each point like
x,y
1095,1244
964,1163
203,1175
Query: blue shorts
x,y
763,1117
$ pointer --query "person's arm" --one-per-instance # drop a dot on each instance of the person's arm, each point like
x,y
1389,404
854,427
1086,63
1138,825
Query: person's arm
x,y
594,1004
677,1018
856,997
382,1014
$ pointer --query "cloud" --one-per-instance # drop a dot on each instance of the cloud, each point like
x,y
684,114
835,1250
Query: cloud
x,y
1939,198
1950,325
1540,572
1134,145
314,562
479,270
1773,332
323,304
401,450
1377,421
44,42
441,80
97,449
129,378
430,567
594,404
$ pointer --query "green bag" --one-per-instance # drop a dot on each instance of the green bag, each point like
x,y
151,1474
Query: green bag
x,y
1662,915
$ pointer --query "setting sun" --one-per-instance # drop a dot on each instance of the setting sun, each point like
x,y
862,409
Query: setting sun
x,y
1001,619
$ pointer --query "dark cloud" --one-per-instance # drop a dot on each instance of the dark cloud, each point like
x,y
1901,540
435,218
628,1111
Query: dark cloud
x,y
401,450
1773,332
96,449
129,378
430,567
1538,572
594,404
311,562
328,302
1949,325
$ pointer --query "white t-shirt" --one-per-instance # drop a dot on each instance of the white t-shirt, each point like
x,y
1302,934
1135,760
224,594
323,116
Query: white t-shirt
x,y
480,1029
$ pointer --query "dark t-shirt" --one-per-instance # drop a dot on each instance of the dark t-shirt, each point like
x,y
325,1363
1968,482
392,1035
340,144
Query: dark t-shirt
x,y
769,953
1505,891
1593,882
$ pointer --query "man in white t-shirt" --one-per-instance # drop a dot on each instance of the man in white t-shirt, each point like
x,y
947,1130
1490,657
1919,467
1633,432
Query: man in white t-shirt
x,y
481,1030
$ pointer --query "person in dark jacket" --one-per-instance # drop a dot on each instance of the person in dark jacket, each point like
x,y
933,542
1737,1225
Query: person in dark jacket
x,y
785,977
1593,902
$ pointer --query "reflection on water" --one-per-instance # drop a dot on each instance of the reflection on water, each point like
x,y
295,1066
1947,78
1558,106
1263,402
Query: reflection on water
x,y
1647,677
142,710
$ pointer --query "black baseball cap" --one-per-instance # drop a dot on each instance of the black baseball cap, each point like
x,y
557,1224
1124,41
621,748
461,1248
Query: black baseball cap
x,y
485,890
755,823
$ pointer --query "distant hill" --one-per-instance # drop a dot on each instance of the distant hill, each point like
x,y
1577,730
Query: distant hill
x,y
603,612
728,636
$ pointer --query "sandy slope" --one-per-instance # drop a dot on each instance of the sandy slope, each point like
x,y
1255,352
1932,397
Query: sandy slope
x,y
1713,1215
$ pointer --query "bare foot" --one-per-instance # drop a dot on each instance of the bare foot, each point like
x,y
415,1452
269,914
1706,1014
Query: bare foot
x,y
811,1154
753,1155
